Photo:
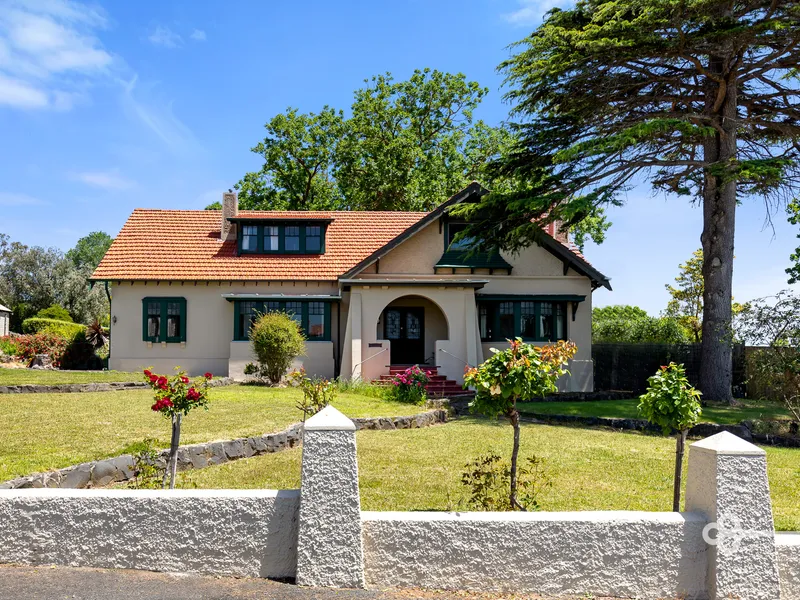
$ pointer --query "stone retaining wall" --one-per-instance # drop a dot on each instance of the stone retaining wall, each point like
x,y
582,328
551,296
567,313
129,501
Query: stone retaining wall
x,y
198,456
70,388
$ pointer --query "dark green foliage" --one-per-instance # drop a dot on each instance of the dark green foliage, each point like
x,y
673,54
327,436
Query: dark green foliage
x,y
89,250
407,145
55,312
794,218
277,340
632,325
700,97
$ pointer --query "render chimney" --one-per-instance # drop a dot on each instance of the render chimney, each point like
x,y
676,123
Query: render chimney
x,y
230,208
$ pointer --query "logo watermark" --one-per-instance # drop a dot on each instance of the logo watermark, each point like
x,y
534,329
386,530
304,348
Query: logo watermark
x,y
730,534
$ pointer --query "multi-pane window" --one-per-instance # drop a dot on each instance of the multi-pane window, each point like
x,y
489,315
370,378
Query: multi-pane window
x,y
271,238
485,322
247,316
506,319
463,244
295,310
539,321
249,238
292,239
527,320
164,319
153,321
282,238
314,318
313,238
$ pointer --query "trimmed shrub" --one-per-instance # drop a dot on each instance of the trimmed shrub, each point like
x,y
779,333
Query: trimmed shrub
x,y
62,328
277,340
55,312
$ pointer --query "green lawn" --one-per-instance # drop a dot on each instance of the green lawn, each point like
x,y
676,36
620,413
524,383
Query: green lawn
x,y
420,469
48,431
626,409
46,377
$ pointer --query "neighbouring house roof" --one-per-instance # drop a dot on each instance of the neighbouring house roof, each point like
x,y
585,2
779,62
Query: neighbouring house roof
x,y
4,309
185,245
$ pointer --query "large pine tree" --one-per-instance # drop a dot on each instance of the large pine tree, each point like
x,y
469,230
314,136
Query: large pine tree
x,y
700,97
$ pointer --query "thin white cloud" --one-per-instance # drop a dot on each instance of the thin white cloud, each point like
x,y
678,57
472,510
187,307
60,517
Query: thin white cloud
x,y
140,102
11,199
198,35
531,12
107,180
49,53
165,37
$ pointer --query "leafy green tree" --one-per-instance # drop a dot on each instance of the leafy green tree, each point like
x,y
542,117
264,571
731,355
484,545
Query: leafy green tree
x,y
407,145
519,373
90,250
632,325
686,302
403,147
34,278
298,153
699,97
794,218
674,405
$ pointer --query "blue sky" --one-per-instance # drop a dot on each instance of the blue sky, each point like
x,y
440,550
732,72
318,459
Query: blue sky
x,y
112,106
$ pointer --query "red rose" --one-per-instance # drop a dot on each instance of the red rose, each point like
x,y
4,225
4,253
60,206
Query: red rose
x,y
184,379
153,378
208,376
155,407
166,402
147,373
193,394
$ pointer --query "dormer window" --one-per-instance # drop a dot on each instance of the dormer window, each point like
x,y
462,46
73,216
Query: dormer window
x,y
289,237
249,238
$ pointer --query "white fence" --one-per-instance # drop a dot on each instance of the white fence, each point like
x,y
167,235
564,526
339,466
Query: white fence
x,y
723,547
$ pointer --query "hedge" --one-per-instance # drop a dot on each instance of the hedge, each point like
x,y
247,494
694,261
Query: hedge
x,y
62,328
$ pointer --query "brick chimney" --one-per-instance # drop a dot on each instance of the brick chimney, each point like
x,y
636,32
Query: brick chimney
x,y
230,208
555,230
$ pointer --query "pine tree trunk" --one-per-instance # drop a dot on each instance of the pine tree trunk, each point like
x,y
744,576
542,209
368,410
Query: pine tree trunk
x,y
514,456
676,492
173,450
719,219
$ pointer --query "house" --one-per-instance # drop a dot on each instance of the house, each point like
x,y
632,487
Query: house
x,y
5,320
370,290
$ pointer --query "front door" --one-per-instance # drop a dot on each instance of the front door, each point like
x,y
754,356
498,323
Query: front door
x,y
405,328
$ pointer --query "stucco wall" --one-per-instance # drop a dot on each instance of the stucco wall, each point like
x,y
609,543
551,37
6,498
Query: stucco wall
x,y
249,533
788,546
209,324
620,554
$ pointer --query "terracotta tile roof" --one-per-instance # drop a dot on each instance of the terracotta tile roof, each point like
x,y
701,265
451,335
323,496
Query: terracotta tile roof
x,y
184,245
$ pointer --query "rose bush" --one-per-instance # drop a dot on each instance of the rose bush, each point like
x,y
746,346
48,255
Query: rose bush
x,y
175,397
410,386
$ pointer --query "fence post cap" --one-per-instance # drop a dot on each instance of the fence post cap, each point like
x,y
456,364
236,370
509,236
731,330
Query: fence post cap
x,y
728,444
329,419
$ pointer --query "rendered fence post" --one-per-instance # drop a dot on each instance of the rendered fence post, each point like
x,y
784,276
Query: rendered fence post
x,y
329,547
727,480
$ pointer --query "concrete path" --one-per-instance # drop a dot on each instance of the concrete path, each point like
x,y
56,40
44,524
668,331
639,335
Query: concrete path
x,y
61,583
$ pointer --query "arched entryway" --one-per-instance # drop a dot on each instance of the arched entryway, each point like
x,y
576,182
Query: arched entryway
x,y
412,324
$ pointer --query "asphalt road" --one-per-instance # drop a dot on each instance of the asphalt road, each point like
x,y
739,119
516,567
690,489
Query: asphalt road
x,y
63,583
